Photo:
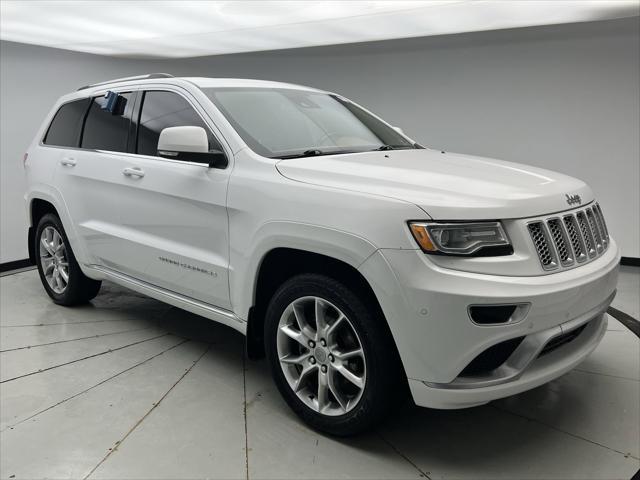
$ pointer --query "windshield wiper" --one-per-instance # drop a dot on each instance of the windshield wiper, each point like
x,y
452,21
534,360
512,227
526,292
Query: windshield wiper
x,y
312,153
393,147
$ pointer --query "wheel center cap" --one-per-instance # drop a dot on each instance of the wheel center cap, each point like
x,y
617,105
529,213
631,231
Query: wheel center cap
x,y
320,354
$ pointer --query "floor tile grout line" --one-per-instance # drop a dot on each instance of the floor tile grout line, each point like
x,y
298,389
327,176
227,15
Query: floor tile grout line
x,y
404,457
74,339
155,405
607,375
65,323
244,411
93,386
83,358
552,427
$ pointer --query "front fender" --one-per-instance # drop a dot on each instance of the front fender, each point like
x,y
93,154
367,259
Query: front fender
x,y
344,246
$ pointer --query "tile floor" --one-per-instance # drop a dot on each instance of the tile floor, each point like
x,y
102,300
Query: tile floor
x,y
128,387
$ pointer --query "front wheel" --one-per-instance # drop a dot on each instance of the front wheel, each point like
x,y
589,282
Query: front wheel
x,y
59,271
331,355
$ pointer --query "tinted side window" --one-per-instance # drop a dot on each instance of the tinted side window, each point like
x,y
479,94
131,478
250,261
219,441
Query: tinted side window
x,y
104,130
166,109
65,127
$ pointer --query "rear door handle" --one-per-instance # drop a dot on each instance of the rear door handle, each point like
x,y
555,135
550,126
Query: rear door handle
x,y
133,172
68,162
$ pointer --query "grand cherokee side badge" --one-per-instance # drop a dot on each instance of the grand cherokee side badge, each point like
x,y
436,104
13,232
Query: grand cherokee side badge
x,y
573,199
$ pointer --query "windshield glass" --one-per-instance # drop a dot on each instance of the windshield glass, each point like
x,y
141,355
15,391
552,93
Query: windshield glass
x,y
286,123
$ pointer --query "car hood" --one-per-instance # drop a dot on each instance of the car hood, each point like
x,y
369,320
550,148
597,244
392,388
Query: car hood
x,y
446,186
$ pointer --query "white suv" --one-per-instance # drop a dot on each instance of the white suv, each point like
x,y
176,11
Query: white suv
x,y
363,264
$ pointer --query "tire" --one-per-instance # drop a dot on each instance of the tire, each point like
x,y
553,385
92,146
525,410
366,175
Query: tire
x,y
56,260
376,379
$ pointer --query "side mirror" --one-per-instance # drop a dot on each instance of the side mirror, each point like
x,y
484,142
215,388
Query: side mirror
x,y
189,144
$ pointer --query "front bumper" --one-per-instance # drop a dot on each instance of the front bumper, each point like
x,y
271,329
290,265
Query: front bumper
x,y
427,310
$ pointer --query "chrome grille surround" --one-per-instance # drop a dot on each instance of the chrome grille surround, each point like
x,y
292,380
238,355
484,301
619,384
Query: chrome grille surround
x,y
575,237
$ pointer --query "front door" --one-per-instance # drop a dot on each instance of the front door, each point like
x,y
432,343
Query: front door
x,y
174,224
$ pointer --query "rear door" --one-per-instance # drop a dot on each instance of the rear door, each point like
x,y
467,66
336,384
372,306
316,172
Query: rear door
x,y
174,225
89,176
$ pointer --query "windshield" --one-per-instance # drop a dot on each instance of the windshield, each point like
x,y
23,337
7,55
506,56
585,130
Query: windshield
x,y
288,123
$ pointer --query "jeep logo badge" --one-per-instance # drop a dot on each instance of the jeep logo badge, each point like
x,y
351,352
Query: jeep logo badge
x,y
573,199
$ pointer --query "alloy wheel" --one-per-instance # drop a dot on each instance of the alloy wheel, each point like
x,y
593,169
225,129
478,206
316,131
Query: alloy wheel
x,y
53,259
321,355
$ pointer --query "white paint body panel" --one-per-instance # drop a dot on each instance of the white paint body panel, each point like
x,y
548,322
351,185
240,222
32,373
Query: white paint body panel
x,y
220,224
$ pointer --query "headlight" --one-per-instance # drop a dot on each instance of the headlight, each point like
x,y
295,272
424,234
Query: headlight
x,y
473,239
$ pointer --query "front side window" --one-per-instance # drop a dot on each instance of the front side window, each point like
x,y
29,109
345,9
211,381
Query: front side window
x,y
161,109
108,129
66,125
285,123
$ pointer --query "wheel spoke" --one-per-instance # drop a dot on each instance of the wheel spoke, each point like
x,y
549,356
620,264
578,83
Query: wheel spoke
x,y
323,391
56,241
335,391
349,375
303,325
47,264
58,279
296,359
350,354
294,335
303,375
321,320
47,246
334,326
63,273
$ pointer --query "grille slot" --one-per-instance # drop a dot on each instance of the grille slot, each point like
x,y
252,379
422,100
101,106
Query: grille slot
x,y
594,230
560,241
597,216
577,243
578,236
605,230
541,242
586,233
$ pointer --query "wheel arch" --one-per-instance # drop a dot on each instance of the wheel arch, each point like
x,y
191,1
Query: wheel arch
x,y
281,263
38,208
48,200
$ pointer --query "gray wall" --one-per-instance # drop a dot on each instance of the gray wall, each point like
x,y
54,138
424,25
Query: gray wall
x,y
563,97
31,80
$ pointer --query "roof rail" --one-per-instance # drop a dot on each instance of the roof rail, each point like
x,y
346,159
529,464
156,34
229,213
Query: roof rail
x,y
137,77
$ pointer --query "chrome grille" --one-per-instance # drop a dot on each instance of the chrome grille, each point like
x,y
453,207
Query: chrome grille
x,y
575,237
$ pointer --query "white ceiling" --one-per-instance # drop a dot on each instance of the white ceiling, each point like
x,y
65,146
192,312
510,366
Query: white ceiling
x,y
172,29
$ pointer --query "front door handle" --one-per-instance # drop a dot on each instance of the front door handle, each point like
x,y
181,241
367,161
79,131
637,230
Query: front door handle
x,y
133,172
68,161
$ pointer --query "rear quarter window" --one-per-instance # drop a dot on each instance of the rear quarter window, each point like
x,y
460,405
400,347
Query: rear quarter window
x,y
65,128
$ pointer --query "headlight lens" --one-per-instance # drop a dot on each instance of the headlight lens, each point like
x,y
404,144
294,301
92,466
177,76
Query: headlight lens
x,y
477,238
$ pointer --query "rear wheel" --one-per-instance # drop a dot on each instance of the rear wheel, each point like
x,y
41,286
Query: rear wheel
x,y
330,356
59,271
